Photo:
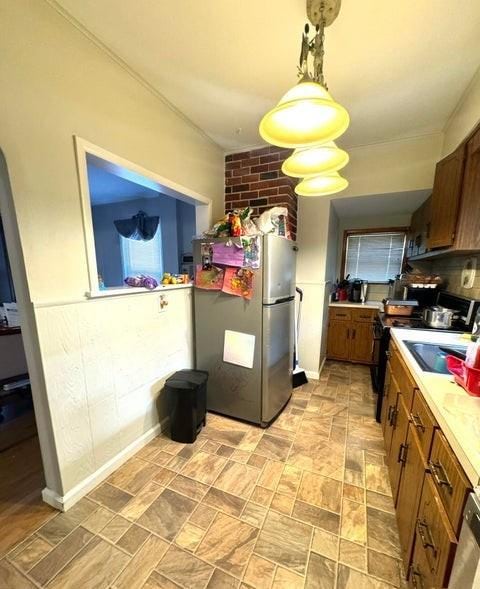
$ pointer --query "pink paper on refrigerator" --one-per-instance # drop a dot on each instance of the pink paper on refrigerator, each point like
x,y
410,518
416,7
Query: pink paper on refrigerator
x,y
228,255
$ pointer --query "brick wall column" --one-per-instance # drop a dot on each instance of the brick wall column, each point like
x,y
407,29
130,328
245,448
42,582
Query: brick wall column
x,y
254,178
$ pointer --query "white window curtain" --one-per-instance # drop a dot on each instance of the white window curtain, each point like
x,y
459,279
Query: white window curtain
x,y
375,257
143,257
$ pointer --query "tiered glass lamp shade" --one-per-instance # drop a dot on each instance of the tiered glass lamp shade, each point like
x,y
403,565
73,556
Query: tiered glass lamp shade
x,y
321,185
312,161
305,116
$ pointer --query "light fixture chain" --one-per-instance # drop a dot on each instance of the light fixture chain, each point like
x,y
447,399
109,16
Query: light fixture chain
x,y
318,49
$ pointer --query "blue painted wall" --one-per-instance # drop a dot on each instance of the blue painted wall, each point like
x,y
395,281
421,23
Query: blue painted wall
x,y
176,226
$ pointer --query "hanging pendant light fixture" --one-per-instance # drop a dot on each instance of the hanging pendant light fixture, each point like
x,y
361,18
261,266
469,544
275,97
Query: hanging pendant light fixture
x,y
321,159
308,119
321,185
307,115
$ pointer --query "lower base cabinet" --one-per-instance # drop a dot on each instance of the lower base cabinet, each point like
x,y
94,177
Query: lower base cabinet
x,y
398,449
409,492
350,334
429,486
435,541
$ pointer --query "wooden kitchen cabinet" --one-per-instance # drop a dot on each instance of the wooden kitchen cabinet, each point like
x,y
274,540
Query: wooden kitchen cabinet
x,y
447,190
361,342
409,492
386,404
338,340
420,229
468,228
389,406
398,449
435,540
429,486
449,478
350,334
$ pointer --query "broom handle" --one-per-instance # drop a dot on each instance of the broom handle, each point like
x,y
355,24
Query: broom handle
x,y
297,330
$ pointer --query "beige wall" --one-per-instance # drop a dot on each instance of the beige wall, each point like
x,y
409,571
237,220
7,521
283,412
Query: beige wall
x,y
56,83
398,166
312,238
465,117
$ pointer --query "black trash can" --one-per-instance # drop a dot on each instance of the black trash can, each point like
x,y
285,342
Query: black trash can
x,y
187,404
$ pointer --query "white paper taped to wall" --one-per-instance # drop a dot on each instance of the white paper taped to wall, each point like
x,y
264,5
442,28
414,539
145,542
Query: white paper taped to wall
x,y
239,348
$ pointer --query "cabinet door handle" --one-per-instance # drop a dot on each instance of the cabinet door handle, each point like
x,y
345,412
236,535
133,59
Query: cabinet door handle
x,y
393,417
402,453
348,333
389,413
341,314
439,474
354,331
426,536
416,422
416,578
388,354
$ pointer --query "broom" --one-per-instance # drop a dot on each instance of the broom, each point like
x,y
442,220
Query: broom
x,y
298,377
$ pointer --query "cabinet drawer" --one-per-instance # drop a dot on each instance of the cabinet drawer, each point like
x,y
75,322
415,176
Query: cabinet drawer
x,y
405,382
434,535
364,315
450,480
338,314
423,422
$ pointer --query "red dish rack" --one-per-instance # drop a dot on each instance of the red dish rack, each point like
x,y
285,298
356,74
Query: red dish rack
x,y
465,376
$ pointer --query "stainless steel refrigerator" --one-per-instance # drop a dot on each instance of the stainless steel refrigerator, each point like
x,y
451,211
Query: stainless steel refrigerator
x,y
257,394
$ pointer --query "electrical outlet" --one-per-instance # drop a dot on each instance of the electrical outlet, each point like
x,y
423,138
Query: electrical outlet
x,y
162,304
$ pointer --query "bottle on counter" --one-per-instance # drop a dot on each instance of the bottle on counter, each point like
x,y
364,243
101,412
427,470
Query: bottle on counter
x,y
476,327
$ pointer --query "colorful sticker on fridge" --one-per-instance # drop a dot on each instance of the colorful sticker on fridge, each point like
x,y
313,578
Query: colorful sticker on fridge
x,y
251,251
209,278
228,254
238,282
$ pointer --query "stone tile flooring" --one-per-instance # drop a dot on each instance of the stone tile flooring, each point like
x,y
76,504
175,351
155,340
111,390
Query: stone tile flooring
x,y
305,503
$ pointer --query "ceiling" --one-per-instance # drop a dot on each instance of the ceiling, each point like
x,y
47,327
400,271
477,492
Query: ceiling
x,y
400,68
106,188
397,203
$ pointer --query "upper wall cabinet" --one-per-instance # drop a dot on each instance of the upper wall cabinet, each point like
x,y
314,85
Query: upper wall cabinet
x,y
451,220
447,189
468,228
420,229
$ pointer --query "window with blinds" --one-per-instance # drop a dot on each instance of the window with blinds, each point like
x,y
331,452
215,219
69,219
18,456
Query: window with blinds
x,y
143,257
375,257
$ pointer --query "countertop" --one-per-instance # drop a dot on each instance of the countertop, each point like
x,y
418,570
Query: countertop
x,y
457,412
366,305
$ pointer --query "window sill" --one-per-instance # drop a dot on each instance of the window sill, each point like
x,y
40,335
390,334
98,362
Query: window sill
x,y
128,290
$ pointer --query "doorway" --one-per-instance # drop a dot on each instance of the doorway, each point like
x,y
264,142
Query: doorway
x,y
21,467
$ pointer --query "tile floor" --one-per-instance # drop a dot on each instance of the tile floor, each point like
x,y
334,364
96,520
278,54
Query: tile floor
x,y
305,503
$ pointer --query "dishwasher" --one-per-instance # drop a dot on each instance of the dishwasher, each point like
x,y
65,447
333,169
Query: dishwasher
x,y
466,567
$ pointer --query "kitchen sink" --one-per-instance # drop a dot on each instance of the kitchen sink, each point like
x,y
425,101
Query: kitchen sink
x,y
431,357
